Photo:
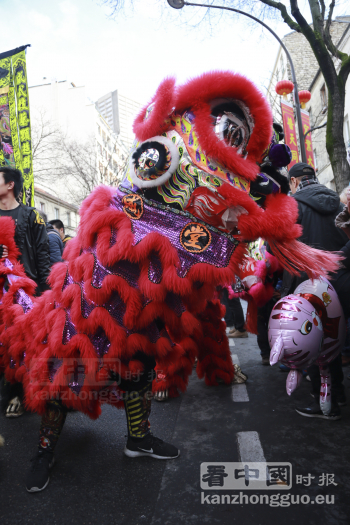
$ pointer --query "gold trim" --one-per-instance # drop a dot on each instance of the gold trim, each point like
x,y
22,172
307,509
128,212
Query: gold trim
x,y
4,90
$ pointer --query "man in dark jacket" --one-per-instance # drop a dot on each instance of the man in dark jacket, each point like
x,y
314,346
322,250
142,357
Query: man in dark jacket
x,y
32,242
55,242
318,207
30,234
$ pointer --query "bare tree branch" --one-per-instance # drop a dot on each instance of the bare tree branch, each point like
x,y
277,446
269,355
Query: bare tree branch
x,y
327,35
68,168
285,15
330,15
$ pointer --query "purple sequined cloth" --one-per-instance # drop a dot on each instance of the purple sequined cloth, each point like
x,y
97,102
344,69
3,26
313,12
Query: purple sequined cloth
x,y
155,272
170,224
166,223
24,300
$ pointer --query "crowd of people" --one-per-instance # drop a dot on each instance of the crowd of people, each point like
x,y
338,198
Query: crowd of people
x,y
325,219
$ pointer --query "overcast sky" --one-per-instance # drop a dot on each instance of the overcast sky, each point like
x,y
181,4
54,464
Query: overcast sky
x,y
75,40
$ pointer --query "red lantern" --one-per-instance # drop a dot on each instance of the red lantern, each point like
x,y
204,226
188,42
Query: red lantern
x,y
284,87
304,96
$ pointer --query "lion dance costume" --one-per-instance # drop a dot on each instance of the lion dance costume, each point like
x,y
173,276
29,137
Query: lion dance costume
x,y
138,282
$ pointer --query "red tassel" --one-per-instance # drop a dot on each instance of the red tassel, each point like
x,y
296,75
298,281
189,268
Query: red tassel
x,y
297,257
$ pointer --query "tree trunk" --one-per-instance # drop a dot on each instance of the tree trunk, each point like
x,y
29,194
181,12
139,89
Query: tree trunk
x,y
335,139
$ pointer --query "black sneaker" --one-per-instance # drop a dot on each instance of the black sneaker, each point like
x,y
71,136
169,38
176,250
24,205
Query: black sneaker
x,y
38,477
265,361
315,411
150,446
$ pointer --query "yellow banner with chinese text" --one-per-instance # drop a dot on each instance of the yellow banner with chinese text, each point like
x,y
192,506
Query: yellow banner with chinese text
x,y
305,119
15,133
290,136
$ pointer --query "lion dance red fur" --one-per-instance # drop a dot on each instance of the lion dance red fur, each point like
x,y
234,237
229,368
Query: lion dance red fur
x,y
135,279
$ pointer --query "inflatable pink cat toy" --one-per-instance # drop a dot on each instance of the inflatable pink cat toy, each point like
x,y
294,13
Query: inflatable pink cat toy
x,y
308,328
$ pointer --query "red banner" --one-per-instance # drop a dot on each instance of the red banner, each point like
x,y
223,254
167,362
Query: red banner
x,y
305,119
290,135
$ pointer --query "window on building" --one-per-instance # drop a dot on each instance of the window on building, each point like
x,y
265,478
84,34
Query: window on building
x,y
282,66
42,206
57,213
315,159
68,218
311,117
346,131
323,95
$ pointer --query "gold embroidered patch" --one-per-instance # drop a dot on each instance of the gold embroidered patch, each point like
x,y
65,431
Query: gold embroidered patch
x,y
133,206
195,238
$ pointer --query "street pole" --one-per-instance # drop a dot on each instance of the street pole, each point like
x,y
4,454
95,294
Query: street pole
x,y
179,4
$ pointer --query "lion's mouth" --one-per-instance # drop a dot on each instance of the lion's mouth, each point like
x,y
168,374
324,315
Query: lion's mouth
x,y
209,206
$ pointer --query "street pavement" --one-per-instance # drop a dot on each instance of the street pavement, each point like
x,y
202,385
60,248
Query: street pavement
x,y
93,483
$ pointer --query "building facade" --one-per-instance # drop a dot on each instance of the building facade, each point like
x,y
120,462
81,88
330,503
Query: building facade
x,y
119,111
309,77
75,149
55,208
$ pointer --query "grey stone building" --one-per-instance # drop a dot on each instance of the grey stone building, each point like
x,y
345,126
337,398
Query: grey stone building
x,y
309,77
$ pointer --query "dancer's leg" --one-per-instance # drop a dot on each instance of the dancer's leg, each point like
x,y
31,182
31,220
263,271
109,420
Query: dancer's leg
x,y
138,396
50,429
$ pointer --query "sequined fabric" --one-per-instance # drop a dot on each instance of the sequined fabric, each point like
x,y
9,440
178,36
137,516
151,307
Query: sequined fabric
x,y
174,302
67,281
170,224
78,377
69,329
166,223
87,328
100,342
155,271
125,269
53,366
24,300
113,239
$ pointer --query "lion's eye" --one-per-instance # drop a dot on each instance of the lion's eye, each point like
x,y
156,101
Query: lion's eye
x,y
306,327
232,125
232,130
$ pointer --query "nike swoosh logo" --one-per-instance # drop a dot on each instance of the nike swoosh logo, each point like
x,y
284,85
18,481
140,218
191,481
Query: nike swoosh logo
x,y
150,451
